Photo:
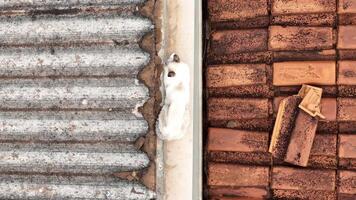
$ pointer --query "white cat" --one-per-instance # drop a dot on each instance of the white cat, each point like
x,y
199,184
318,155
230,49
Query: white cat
x,y
175,88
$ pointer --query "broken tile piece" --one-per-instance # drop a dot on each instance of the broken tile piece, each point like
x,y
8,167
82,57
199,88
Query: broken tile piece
x,y
311,100
238,80
293,38
237,175
301,139
347,151
238,146
297,73
287,112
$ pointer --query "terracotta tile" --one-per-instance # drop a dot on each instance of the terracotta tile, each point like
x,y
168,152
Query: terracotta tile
x,y
236,75
259,124
346,109
302,6
347,181
238,146
347,147
293,38
346,37
323,152
237,175
238,80
347,79
301,140
347,6
347,12
220,139
348,54
347,151
347,73
297,73
288,178
303,12
304,194
242,192
283,127
237,108
328,90
346,115
245,13
328,107
320,55
238,41
318,19
235,198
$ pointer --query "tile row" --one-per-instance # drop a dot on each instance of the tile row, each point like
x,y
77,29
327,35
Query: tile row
x,y
282,43
255,13
251,147
259,113
261,80
285,182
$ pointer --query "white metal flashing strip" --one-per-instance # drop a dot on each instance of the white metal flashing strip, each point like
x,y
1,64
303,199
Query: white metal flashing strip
x,y
180,175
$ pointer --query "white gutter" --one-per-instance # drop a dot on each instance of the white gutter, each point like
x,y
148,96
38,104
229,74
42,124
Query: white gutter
x,y
179,169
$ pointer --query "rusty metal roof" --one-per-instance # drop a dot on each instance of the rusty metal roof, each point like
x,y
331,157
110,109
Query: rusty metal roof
x,y
69,98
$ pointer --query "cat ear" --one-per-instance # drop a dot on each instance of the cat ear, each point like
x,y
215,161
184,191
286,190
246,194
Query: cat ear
x,y
176,58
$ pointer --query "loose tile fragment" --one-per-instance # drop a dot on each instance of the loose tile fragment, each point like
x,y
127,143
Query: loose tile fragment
x,y
301,140
287,112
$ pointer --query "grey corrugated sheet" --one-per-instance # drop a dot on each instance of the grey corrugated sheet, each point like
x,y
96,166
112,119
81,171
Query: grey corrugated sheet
x,y
69,98
39,187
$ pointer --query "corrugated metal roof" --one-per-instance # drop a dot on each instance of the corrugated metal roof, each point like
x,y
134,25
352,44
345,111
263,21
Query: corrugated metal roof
x,y
69,95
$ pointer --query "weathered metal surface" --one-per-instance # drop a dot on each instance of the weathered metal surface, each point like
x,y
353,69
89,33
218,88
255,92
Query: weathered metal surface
x,y
70,188
90,61
69,98
68,30
97,158
94,93
62,126
63,3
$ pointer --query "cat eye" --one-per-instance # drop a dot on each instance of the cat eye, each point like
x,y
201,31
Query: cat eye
x,y
171,74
